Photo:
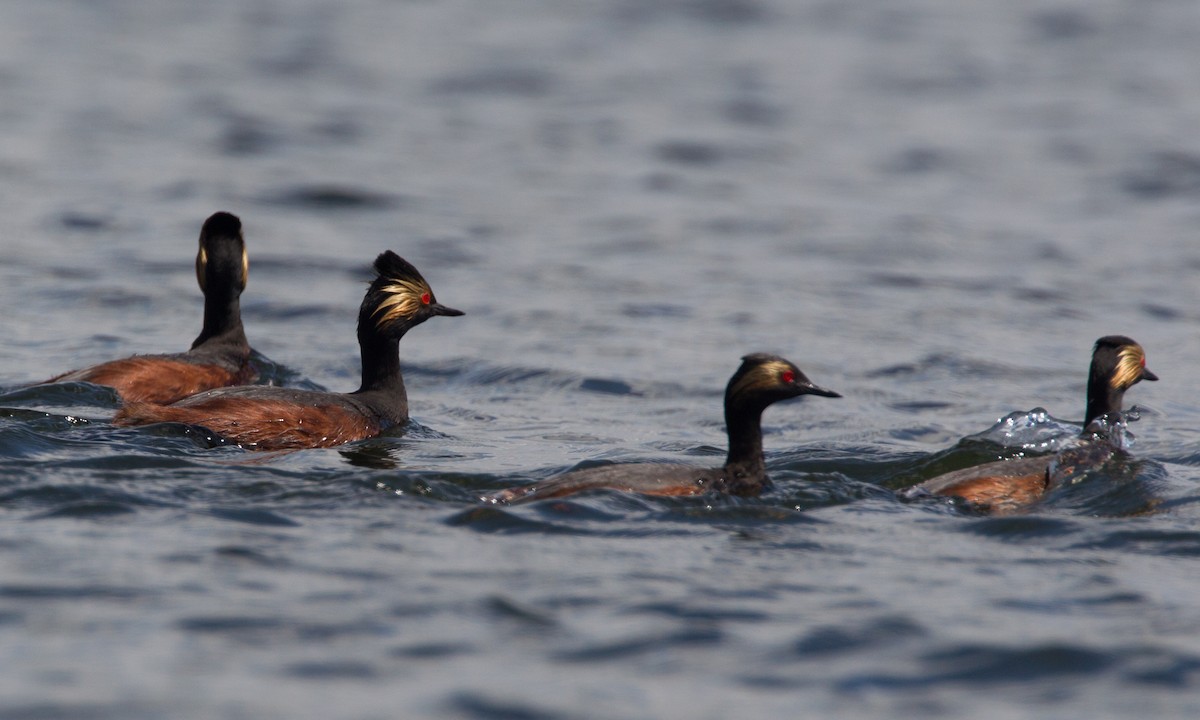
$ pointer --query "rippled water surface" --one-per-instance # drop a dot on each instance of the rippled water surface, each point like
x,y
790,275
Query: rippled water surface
x,y
932,207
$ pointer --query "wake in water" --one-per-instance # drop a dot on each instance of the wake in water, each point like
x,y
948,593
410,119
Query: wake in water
x,y
1052,457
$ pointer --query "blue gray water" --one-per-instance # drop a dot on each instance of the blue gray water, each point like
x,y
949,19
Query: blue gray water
x,y
932,207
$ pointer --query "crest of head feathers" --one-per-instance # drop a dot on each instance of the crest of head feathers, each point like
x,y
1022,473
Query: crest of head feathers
x,y
222,233
402,290
1131,361
762,372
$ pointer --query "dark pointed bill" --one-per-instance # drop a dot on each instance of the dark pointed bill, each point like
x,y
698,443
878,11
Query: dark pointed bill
x,y
440,309
811,389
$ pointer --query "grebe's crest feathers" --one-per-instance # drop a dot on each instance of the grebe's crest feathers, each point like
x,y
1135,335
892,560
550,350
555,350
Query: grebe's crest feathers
x,y
403,291
222,231
761,371
1131,367
772,377
1127,359
391,266
222,223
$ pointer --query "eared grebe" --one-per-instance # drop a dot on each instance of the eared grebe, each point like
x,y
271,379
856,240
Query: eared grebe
x,y
760,381
274,418
1118,363
220,356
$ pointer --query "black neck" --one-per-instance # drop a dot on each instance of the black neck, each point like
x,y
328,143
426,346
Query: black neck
x,y
380,362
222,322
1102,398
745,458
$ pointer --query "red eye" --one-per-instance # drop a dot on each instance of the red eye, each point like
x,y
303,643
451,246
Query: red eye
x,y
425,298
788,377
1143,363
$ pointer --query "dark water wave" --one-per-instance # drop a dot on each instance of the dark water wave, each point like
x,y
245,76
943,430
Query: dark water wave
x,y
1044,665
804,479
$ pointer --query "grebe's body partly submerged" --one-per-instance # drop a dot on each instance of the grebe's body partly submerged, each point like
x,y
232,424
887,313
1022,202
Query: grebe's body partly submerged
x,y
1005,486
273,418
220,356
760,381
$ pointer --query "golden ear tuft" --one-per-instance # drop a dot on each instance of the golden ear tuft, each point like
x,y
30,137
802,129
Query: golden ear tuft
x,y
775,371
403,299
1130,361
245,267
201,265
766,376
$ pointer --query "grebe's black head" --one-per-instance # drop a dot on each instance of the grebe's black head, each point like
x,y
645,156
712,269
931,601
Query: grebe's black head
x,y
222,265
764,379
1118,363
398,298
